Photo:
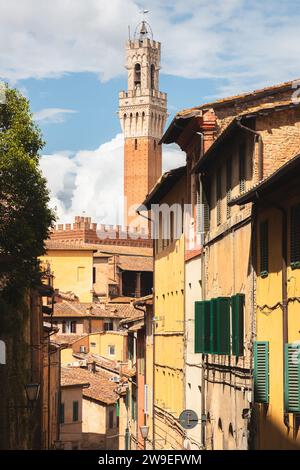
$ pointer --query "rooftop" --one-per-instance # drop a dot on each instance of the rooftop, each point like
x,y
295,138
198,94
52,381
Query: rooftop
x,y
89,310
100,389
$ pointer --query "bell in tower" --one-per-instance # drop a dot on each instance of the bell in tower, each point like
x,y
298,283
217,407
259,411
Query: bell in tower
x,y
142,113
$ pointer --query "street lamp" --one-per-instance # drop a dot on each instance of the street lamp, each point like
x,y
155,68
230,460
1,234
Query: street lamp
x,y
32,392
144,432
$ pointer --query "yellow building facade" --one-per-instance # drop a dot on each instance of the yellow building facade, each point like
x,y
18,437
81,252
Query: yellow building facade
x,y
72,269
277,342
168,356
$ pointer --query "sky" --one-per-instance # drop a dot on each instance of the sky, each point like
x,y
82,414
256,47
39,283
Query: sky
x,y
67,58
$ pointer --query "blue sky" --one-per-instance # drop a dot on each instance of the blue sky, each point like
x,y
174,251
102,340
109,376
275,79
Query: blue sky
x,y
94,104
67,57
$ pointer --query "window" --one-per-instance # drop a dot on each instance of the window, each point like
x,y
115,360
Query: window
x,y
292,378
295,237
93,345
108,326
137,75
242,167
152,76
62,413
135,144
154,144
261,371
75,410
130,347
111,419
133,405
237,324
218,196
63,327
111,350
212,326
94,275
264,248
146,395
73,326
228,186
80,273
202,326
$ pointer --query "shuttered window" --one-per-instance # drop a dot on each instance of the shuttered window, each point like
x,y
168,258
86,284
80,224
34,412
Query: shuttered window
x,y
261,371
228,186
202,326
218,196
264,249
295,237
237,324
213,347
223,325
242,167
292,378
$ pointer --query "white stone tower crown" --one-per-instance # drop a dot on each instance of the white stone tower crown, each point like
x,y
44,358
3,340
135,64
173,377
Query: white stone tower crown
x,y
143,108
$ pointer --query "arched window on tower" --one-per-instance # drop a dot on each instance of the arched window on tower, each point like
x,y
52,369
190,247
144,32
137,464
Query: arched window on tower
x,y
137,75
152,77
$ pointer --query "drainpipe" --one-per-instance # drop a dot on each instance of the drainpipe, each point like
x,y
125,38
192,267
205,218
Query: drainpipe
x,y
260,147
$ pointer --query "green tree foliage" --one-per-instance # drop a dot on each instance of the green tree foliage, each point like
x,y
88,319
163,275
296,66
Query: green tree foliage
x,y
25,218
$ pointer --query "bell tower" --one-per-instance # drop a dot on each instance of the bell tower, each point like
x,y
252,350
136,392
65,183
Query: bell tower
x,y
143,113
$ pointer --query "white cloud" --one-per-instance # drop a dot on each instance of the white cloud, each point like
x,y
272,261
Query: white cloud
x,y
247,44
91,181
52,115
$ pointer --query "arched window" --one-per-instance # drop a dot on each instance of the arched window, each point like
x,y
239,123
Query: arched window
x,y
135,144
152,76
137,75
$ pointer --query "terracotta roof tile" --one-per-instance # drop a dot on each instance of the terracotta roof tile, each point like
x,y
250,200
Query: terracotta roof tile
x,y
101,388
136,263
86,310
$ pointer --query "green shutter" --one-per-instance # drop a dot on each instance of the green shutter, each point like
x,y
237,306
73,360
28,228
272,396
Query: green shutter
x,y
295,237
264,248
202,326
237,324
213,347
261,371
118,408
292,378
223,325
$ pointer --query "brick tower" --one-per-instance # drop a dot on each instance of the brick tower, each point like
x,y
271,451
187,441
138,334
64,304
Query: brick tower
x,y
143,113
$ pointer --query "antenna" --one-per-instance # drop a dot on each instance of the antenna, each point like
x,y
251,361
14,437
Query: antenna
x,y
129,32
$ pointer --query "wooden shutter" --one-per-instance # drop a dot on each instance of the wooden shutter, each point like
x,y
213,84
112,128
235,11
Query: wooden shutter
x,y
223,325
295,237
228,186
202,326
264,248
237,324
213,346
261,371
219,195
292,378
242,167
